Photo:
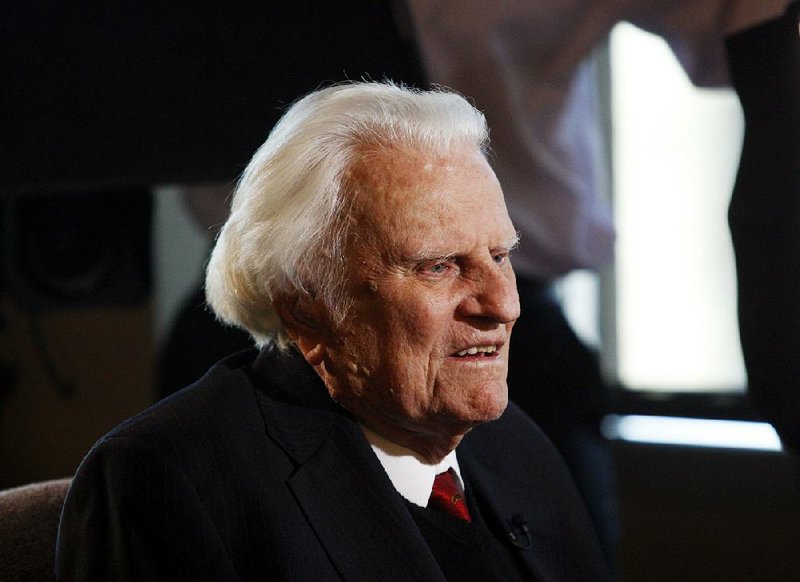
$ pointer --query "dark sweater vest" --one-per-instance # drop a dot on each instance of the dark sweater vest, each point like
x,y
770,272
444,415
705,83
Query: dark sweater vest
x,y
466,552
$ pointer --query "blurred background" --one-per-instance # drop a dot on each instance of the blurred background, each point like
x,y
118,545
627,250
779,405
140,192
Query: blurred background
x,y
124,131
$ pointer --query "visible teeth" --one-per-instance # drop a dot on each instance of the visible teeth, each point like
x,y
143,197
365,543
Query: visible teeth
x,y
474,350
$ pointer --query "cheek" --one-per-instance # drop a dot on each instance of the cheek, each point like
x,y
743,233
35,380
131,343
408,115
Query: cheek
x,y
399,335
428,320
401,325
351,357
409,366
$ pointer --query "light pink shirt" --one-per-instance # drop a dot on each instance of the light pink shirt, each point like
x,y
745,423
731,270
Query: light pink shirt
x,y
527,65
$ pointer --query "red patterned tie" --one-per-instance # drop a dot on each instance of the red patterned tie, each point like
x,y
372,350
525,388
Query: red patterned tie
x,y
448,496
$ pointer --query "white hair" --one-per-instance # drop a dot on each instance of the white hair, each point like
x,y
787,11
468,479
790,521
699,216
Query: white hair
x,y
288,223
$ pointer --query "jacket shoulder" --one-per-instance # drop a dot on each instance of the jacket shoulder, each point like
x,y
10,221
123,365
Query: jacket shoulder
x,y
223,392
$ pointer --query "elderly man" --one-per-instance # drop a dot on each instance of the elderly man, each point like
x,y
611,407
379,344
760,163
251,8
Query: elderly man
x,y
367,252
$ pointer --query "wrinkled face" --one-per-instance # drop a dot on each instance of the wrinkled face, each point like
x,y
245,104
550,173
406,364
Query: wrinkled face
x,y
425,346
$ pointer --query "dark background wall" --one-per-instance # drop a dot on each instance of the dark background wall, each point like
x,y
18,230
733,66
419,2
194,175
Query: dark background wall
x,y
124,93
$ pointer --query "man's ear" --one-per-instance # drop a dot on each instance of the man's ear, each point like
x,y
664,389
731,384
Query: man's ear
x,y
304,319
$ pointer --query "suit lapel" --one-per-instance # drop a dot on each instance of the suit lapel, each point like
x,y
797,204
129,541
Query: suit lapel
x,y
358,516
340,485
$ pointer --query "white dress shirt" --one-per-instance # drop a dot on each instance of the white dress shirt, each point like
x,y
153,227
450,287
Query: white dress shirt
x,y
410,474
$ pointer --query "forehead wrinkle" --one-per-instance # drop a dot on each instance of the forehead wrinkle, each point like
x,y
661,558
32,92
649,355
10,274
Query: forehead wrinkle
x,y
394,178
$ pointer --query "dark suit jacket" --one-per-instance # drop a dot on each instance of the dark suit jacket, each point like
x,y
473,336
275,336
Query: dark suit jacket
x,y
253,473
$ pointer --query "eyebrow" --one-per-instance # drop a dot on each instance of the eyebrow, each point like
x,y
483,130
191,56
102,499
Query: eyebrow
x,y
511,243
426,255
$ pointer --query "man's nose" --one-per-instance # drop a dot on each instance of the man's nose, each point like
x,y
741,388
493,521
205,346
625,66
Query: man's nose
x,y
494,296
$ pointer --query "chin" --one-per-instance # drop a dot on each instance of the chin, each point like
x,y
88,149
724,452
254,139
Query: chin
x,y
490,402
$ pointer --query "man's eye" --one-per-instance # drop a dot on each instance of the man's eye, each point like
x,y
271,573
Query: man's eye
x,y
500,258
438,268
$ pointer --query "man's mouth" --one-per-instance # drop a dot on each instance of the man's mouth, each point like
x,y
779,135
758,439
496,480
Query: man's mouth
x,y
477,350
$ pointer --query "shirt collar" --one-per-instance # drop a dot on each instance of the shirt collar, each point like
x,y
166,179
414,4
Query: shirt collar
x,y
410,474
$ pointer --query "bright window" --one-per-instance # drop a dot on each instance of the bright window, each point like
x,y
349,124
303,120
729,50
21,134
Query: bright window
x,y
675,150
